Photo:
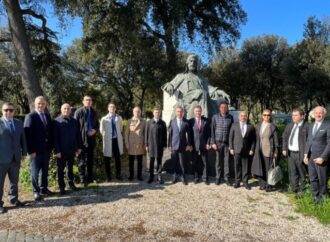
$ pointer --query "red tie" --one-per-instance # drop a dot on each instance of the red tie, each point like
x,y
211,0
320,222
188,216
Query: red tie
x,y
199,124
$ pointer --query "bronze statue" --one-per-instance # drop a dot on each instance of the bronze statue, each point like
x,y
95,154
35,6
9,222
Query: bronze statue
x,y
191,89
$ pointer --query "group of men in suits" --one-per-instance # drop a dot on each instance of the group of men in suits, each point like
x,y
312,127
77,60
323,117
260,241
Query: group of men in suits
x,y
72,137
38,136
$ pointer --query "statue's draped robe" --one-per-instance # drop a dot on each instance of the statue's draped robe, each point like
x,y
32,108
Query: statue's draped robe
x,y
192,90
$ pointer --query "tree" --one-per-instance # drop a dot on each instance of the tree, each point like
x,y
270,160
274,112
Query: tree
x,y
217,22
20,42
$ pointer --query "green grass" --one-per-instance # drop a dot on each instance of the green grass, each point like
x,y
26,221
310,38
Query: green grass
x,y
306,205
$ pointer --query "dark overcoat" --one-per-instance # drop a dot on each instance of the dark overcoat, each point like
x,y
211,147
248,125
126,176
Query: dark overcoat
x,y
156,137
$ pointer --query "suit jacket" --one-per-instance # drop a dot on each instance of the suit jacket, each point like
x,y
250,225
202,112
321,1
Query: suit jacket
x,y
156,137
242,145
257,165
134,137
200,137
38,136
82,116
178,140
302,138
12,145
67,138
319,144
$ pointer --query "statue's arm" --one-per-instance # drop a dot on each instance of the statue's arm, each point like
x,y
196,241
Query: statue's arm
x,y
172,86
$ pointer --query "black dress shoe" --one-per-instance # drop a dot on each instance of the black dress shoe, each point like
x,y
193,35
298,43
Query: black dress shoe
x,y
247,186
196,180
2,210
46,192
130,178
268,189
37,197
228,183
73,187
17,203
140,178
185,182
108,180
236,185
119,178
175,180
262,188
150,180
217,182
62,191
206,182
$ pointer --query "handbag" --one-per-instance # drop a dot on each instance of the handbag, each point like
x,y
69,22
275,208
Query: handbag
x,y
275,174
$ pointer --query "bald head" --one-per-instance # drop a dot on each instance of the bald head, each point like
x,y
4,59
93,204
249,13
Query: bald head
x,y
40,104
65,110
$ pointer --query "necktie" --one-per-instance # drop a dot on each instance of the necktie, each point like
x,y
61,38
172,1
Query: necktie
x,y
113,126
199,124
11,126
89,119
293,133
315,128
43,119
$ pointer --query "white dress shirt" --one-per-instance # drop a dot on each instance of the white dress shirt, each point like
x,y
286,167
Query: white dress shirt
x,y
295,141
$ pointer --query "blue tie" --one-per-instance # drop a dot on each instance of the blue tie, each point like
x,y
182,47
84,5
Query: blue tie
x,y
89,119
113,126
11,126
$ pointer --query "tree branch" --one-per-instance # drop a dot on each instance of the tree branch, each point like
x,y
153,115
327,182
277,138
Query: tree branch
x,y
32,13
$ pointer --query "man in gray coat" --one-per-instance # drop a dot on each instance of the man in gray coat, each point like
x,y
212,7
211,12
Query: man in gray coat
x,y
317,153
12,150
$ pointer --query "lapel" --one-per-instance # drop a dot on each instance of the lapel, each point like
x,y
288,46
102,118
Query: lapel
x,y
137,124
4,122
319,128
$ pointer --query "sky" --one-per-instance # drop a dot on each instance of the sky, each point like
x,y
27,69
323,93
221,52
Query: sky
x,y
285,18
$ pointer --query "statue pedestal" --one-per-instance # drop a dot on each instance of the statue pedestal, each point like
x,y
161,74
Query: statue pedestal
x,y
168,104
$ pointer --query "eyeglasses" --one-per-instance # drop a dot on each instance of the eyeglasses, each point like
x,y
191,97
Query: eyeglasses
x,y
8,110
266,115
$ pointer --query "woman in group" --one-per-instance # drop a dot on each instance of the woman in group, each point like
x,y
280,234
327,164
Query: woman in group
x,y
266,149
134,142
111,128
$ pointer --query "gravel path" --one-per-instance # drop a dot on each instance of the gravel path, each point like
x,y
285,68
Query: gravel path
x,y
139,211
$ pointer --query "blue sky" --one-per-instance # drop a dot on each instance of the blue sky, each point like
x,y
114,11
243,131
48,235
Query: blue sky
x,y
285,18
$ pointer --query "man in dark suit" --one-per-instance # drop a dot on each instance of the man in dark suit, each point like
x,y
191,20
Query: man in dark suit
x,y
201,132
38,132
241,146
67,143
12,151
294,143
179,141
155,141
317,153
89,124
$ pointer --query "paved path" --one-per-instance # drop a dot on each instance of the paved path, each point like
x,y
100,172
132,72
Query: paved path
x,y
14,236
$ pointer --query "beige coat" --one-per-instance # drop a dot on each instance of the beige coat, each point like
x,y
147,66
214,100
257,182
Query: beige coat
x,y
134,137
106,132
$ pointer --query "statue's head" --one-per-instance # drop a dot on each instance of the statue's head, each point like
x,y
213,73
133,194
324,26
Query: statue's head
x,y
192,63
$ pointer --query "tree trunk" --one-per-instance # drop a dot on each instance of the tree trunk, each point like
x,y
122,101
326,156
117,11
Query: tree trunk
x,y
22,51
